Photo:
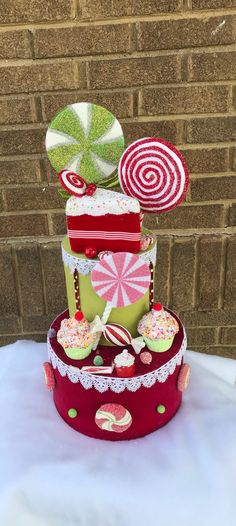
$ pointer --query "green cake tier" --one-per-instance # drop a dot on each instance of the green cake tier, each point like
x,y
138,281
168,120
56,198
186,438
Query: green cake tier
x,y
80,293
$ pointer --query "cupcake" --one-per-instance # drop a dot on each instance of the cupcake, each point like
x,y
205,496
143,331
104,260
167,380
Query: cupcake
x,y
158,329
124,364
76,337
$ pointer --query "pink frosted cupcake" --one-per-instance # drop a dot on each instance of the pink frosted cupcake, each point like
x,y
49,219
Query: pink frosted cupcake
x,y
158,329
76,337
124,364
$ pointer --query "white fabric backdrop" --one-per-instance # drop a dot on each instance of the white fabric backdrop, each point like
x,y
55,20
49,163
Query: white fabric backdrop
x,y
183,474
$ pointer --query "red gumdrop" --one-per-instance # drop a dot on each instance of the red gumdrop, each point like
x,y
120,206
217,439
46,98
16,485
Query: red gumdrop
x,y
79,315
90,252
157,306
91,189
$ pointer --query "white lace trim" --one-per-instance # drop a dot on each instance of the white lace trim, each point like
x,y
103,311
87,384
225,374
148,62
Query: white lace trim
x,y
85,266
117,385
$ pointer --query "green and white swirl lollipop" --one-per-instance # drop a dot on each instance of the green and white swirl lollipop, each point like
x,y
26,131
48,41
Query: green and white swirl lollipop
x,y
87,139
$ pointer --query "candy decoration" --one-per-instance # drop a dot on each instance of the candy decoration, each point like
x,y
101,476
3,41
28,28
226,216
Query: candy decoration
x,y
52,333
161,409
72,413
88,139
90,252
120,279
49,376
98,360
72,183
113,417
151,295
117,334
104,254
155,173
146,358
76,289
183,378
101,369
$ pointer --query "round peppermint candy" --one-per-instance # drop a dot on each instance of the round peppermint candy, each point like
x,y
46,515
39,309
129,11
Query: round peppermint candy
x,y
113,417
87,139
155,173
72,183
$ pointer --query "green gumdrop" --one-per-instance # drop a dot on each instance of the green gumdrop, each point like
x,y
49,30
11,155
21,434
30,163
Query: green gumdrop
x,y
98,360
72,413
161,409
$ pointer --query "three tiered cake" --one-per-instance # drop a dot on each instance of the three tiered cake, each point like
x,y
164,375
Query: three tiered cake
x,y
115,356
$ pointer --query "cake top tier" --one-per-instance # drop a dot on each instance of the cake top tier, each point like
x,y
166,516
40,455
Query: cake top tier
x,y
101,203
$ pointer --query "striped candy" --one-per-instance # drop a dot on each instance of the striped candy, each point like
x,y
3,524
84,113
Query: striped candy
x,y
87,139
155,173
121,279
117,334
113,417
72,183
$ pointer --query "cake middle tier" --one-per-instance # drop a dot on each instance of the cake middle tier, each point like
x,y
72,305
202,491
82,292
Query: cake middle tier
x,y
81,295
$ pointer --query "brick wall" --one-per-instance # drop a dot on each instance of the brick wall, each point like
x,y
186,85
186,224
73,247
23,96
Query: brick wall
x,y
165,68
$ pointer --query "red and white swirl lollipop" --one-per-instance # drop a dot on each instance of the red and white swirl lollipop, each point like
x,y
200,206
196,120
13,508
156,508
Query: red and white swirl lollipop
x,y
155,173
72,183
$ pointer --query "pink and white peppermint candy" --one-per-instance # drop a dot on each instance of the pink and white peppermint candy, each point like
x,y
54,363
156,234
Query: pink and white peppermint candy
x,y
117,334
72,183
155,173
104,254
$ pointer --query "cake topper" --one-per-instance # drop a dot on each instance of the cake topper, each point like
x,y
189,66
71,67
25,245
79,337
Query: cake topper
x,y
75,185
155,173
87,139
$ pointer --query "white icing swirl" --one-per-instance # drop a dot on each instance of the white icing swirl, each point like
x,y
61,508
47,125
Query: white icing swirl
x,y
101,203
124,359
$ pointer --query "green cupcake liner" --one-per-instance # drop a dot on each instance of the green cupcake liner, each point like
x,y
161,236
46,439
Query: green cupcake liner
x,y
159,345
78,353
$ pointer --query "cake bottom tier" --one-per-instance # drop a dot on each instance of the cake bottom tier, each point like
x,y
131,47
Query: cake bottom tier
x,y
112,408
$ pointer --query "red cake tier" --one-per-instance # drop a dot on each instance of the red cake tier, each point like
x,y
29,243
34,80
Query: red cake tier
x,y
113,408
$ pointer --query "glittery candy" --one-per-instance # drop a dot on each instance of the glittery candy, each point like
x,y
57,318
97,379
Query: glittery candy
x,y
75,333
158,324
146,357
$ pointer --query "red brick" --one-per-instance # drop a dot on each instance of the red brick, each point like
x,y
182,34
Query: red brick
x,y
15,44
213,188
8,296
54,277
35,10
212,4
217,318
230,283
212,66
218,129
23,110
133,72
184,217
116,8
210,256
201,336
232,215
14,142
84,40
19,171
228,335
168,130
162,271
59,224
183,274
190,32
119,103
30,280
189,99
33,198
37,77
23,225
204,160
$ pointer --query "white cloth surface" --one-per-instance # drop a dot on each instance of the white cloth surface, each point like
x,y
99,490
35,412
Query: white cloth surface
x,y
184,474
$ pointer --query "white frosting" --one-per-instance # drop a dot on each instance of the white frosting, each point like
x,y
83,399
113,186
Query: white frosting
x,y
124,359
101,203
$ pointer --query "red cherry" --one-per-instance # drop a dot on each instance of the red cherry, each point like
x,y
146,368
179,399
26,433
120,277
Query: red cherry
x,y
91,189
79,315
157,306
90,252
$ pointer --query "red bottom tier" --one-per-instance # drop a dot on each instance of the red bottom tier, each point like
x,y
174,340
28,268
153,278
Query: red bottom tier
x,y
112,408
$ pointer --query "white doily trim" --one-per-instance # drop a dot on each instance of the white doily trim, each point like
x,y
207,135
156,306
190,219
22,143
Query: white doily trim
x,y
117,385
85,266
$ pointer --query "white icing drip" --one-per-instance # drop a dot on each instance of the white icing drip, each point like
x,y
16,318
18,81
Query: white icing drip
x,y
117,385
124,359
85,266
101,203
